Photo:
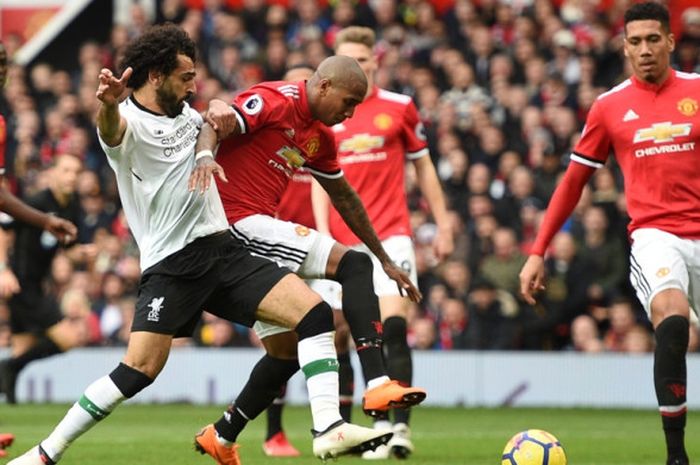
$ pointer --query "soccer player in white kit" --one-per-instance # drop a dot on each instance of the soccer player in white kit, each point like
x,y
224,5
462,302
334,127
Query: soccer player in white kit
x,y
651,122
189,259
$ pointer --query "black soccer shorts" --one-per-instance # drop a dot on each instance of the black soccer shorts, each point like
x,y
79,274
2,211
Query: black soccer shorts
x,y
214,273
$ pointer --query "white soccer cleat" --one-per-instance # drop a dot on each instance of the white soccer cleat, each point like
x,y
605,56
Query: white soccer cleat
x,y
400,444
343,438
31,457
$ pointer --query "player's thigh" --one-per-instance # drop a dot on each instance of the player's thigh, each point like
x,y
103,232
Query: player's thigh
x,y
287,302
244,282
147,352
657,263
330,291
400,250
301,249
394,305
171,304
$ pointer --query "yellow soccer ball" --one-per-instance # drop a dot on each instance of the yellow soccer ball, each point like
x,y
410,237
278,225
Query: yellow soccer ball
x,y
533,447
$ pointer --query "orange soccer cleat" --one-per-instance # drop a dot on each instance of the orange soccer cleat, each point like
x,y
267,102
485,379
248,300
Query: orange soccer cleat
x,y
279,446
390,394
6,440
205,442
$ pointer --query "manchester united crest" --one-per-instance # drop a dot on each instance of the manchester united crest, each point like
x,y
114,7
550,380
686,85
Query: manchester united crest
x,y
383,121
661,272
301,230
688,106
312,146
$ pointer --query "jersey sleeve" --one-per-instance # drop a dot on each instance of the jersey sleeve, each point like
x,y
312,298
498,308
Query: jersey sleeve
x,y
259,107
325,164
413,133
593,148
115,152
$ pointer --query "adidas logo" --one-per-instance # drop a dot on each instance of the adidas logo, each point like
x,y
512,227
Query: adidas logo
x,y
629,116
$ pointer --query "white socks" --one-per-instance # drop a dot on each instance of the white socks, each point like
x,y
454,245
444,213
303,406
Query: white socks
x,y
99,399
319,362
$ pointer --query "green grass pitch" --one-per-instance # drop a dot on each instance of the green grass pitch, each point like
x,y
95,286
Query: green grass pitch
x,y
162,435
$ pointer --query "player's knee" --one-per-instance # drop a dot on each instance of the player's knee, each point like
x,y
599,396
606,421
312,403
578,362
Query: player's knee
x,y
395,330
354,264
129,381
317,321
282,345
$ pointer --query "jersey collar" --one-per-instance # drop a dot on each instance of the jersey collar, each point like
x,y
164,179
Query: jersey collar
x,y
143,108
655,87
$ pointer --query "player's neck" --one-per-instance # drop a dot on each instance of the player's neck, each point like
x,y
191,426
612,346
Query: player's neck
x,y
146,97
370,88
660,81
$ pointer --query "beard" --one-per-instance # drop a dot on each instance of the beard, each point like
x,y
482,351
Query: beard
x,y
169,102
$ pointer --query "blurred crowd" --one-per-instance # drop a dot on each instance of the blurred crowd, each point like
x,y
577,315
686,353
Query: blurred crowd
x,y
503,88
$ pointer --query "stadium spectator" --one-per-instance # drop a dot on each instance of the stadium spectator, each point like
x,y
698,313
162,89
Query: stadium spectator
x,y
622,321
585,336
39,329
663,228
489,326
452,325
604,256
423,335
502,266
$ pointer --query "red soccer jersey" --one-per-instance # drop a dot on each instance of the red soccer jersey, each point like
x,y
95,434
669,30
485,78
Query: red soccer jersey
x,y
296,201
372,148
654,131
280,136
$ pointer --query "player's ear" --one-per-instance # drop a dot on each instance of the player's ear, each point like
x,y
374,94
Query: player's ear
x,y
324,85
155,78
671,42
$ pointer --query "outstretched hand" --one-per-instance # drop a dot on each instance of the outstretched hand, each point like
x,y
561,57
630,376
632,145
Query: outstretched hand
x,y
406,287
111,88
201,176
532,278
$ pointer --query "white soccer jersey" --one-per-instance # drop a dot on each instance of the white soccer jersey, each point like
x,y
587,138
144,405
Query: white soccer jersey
x,y
153,164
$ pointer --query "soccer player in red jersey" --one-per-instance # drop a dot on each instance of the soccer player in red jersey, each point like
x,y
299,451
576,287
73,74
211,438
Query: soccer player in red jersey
x,y
651,122
373,146
282,127
294,207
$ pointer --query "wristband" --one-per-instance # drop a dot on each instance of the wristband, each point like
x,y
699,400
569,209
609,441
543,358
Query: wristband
x,y
204,153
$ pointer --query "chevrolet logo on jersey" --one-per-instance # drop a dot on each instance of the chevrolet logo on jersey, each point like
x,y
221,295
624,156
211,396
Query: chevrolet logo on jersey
x,y
292,156
361,143
662,132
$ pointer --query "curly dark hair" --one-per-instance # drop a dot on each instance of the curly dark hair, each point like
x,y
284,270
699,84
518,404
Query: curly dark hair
x,y
649,10
156,50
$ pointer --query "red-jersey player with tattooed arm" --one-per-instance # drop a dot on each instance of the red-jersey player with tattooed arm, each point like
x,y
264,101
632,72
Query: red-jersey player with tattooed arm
x,y
651,122
282,127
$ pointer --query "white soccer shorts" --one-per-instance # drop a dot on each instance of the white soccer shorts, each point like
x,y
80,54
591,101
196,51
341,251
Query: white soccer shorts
x,y
401,251
660,261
